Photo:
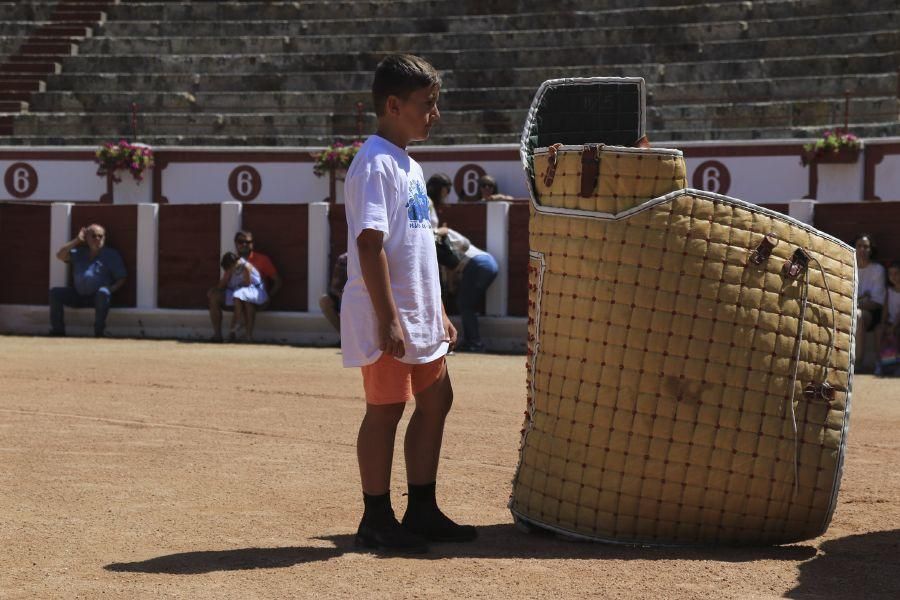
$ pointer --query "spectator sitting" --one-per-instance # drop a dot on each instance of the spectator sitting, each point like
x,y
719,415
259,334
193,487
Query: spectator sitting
x,y
97,273
870,293
469,271
438,188
889,350
330,303
488,190
243,244
244,290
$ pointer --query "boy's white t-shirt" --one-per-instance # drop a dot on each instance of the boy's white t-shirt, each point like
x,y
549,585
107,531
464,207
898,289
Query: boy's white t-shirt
x,y
385,190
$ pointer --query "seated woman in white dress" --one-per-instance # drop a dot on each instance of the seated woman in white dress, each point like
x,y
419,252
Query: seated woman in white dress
x,y
244,291
870,295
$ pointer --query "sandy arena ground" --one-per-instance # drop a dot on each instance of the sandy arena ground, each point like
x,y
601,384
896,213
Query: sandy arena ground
x,y
154,469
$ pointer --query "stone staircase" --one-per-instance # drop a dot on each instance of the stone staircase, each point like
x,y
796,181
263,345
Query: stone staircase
x,y
36,38
294,73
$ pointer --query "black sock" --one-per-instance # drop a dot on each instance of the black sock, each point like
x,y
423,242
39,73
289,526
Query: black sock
x,y
377,507
423,495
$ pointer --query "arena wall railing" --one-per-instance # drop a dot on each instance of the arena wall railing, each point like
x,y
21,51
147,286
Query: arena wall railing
x,y
172,229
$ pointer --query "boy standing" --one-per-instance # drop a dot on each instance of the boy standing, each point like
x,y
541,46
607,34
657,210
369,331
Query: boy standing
x,y
393,323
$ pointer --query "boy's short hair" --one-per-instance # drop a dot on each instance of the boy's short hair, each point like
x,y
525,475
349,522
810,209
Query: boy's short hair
x,y
400,75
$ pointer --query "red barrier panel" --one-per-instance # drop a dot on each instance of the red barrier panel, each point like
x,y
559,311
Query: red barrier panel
x,y
188,254
280,232
469,218
120,223
25,260
517,285
847,220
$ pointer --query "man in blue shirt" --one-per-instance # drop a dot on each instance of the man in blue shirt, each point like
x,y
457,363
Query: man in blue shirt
x,y
97,273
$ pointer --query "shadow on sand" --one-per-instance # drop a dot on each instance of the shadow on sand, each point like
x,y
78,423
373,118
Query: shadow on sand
x,y
494,541
856,566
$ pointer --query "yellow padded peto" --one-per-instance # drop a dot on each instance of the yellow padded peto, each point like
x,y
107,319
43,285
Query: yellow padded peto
x,y
668,373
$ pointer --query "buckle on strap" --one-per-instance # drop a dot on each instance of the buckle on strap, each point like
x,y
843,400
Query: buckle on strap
x,y
764,249
795,267
819,392
552,159
590,169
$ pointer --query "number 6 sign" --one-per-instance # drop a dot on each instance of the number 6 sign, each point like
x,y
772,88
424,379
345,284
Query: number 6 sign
x,y
465,183
244,183
21,180
712,176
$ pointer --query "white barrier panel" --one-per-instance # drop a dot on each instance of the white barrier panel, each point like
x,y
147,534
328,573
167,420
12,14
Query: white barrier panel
x,y
763,172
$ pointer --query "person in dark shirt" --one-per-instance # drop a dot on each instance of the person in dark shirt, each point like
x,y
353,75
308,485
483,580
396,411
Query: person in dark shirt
x,y
330,303
97,273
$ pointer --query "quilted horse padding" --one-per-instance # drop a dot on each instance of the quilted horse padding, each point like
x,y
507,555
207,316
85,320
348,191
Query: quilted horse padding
x,y
690,354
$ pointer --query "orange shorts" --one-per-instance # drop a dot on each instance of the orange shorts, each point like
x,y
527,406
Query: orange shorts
x,y
389,381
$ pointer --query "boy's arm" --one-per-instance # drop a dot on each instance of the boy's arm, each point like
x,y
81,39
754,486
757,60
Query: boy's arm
x,y
449,328
374,266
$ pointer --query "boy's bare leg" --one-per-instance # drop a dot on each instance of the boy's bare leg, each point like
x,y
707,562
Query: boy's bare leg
x,y
375,446
375,451
425,433
424,436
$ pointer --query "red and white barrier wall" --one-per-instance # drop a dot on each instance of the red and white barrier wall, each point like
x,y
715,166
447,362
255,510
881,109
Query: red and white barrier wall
x,y
172,228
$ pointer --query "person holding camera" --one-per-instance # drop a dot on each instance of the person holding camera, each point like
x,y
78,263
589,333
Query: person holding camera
x,y
97,273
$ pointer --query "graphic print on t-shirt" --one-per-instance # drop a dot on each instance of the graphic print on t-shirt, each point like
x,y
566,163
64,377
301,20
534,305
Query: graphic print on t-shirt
x,y
417,206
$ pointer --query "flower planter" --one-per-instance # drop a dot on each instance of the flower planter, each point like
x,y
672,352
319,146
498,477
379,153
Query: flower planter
x,y
844,155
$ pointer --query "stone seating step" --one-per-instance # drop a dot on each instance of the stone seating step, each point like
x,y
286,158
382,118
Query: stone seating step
x,y
660,138
462,59
457,80
29,85
435,9
15,95
35,48
64,31
83,6
109,99
73,15
615,32
26,11
29,68
8,105
19,29
9,45
436,44
706,117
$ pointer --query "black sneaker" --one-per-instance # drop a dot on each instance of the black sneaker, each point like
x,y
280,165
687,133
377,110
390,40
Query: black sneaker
x,y
435,526
389,536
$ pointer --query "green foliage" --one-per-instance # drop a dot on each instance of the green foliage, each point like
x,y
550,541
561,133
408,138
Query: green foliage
x,y
831,142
